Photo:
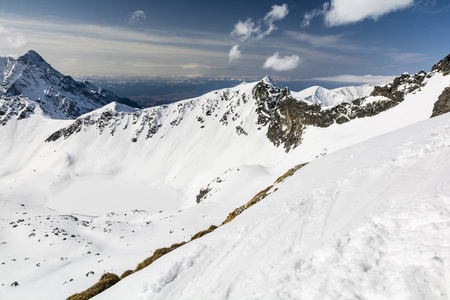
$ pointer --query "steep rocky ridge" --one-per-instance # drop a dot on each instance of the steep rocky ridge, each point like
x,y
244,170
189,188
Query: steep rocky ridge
x,y
442,106
262,106
59,96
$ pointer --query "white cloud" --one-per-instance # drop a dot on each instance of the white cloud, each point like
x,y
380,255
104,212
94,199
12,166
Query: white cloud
x,y
235,53
307,18
375,79
350,11
278,63
248,29
278,12
244,30
11,39
342,12
137,17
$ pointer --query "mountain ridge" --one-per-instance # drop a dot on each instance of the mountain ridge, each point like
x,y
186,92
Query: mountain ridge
x,y
96,201
59,96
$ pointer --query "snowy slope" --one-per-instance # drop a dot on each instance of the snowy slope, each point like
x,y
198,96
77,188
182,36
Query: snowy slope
x,y
329,98
149,167
354,92
374,225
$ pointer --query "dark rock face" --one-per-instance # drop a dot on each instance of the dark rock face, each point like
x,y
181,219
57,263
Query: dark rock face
x,y
442,106
443,66
106,120
15,107
287,117
400,86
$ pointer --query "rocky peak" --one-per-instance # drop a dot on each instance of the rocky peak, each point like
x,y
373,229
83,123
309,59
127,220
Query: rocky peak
x,y
268,80
34,59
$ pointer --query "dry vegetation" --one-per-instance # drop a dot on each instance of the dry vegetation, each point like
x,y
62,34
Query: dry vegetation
x,y
106,281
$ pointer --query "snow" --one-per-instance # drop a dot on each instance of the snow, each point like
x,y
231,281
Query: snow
x,y
374,225
97,201
329,98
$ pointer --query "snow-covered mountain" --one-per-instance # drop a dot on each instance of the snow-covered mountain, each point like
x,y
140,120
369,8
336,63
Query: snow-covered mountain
x,y
330,98
371,221
58,96
100,193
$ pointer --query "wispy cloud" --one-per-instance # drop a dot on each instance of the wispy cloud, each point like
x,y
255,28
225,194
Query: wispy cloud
x,y
324,41
102,50
235,53
243,31
342,12
278,12
137,17
307,18
278,63
251,30
11,39
408,57
360,79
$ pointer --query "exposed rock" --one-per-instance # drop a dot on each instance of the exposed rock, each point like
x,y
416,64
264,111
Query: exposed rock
x,y
442,106
443,66
202,194
401,85
287,117
15,107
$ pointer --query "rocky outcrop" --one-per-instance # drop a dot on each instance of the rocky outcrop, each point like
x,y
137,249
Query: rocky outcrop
x,y
443,66
287,117
442,106
15,107
401,85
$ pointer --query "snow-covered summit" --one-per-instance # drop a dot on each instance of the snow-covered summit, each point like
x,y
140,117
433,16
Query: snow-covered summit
x,y
267,80
33,58
328,98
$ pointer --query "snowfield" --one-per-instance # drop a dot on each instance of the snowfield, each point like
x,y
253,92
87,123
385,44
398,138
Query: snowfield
x,y
367,218
366,222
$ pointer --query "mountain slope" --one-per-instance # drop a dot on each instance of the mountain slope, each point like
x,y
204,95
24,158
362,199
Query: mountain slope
x,y
375,225
58,96
114,185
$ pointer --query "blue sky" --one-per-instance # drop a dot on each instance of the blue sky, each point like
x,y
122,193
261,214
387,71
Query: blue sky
x,y
336,41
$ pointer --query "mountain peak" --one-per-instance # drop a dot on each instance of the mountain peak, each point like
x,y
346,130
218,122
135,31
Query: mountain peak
x,y
268,80
32,57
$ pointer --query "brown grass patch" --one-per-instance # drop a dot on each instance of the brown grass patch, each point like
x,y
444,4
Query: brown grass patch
x,y
258,197
157,254
290,173
202,233
126,273
106,281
